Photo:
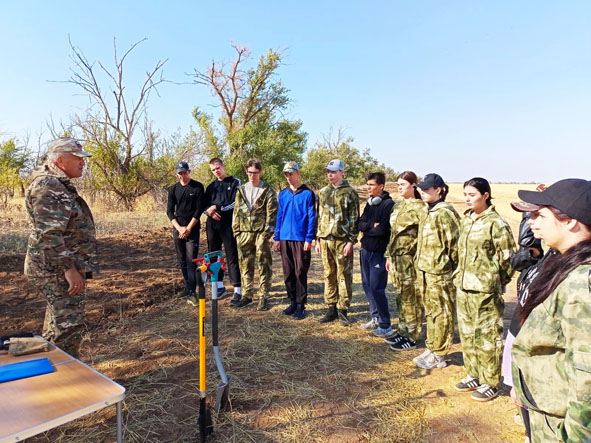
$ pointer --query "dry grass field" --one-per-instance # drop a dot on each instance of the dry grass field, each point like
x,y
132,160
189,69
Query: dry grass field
x,y
293,381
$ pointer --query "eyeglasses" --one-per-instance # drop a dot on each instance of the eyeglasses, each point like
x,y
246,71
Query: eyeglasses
x,y
253,172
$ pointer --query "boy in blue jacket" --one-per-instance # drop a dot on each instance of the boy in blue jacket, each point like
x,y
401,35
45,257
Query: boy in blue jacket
x,y
294,231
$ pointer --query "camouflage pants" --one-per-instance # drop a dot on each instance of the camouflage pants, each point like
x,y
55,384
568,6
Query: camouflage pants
x,y
438,296
338,273
64,315
255,246
410,309
480,323
544,428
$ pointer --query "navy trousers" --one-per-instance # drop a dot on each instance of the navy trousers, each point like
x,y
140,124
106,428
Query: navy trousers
x,y
375,278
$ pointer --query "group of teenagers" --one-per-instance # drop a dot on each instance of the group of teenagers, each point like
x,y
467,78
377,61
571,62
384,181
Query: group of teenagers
x,y
444,267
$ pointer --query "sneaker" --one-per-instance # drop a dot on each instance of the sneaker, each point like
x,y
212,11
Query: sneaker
x,y
485,393
467,384
244,302
371,325
221,293
236,299
393,339
432,361
183,294
192,300
421,357
404,344
263,304
300,312
383,332
343,319
290,310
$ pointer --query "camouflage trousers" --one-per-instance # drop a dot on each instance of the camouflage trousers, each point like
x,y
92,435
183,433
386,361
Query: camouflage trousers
x,y
545,428
408,299
64,315
438,297
255,246
480,323
338,273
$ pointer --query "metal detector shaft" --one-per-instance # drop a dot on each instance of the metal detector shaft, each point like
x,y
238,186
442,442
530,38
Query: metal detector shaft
x,y
214,333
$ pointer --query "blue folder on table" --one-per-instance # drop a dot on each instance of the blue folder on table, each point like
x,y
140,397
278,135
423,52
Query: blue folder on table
x,y
24,369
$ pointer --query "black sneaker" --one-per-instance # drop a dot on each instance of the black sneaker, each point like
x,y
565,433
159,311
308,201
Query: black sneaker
x,y
394,339
244,302
404,344
184,293
236,299
468,384
485,393
221,293
300,312
290,310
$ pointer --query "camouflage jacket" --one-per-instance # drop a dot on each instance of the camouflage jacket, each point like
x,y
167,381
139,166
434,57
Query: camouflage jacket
x,y
484,252
338,212
404,222
437,242
262,216
551,362
62,227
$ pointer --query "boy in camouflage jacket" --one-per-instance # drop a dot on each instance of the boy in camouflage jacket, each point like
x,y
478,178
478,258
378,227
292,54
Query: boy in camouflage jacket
x,y
338,213
253,225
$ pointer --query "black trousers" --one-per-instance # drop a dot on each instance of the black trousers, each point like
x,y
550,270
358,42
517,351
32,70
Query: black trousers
x,y
296,263
219,234
186,250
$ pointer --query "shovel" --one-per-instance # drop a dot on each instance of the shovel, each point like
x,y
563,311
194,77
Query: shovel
x,y
204,421
223,392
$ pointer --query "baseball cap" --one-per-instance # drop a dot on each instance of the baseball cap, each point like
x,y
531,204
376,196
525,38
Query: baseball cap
x,y
431,181
182,167
335,165
291,166
67,144
571,196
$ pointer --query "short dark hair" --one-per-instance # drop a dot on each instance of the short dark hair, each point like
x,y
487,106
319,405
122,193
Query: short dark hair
x,y
253,162
379,177
216,160
482,185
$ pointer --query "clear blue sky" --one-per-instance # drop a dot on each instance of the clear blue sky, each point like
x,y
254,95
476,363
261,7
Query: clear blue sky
x,y
499,89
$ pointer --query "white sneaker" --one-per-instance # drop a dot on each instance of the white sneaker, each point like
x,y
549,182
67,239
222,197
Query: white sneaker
x,y
421,357
371,325
381,332
432,361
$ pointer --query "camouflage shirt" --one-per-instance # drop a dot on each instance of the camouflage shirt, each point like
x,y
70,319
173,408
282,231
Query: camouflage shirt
x,y
552,356
404,222
484,251
338,212
262,216
437,242
62,228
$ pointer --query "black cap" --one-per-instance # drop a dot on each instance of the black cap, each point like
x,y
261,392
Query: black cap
x,y
431,181
571,196
182,167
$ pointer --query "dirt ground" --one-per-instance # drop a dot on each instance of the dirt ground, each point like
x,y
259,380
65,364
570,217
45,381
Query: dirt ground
x,y
292,381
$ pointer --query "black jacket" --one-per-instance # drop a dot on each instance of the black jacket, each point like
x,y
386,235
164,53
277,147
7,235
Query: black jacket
x,y
375,239
185,202
222,194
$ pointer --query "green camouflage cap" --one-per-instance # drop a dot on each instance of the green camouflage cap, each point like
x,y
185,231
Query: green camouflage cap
x,y
66,144
291,166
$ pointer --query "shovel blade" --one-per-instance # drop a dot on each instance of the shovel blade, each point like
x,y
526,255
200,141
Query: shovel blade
x,y
223,394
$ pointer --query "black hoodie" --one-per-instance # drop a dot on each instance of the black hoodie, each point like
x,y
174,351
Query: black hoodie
x,y
375,239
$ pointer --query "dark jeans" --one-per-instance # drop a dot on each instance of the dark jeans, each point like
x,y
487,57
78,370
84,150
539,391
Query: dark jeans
x,y
221,233
375,278
186,250
296,263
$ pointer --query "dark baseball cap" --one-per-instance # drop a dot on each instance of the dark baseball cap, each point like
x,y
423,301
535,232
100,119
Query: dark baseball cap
x,y
182,167
431,181
571,196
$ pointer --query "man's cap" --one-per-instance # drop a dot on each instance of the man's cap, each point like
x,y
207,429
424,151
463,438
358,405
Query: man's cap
x,y
182,167
291,167
521,206
431,181
571,196
67,144
335,165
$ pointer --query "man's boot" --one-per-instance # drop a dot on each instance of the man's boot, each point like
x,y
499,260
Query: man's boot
x,y
330,315
343,319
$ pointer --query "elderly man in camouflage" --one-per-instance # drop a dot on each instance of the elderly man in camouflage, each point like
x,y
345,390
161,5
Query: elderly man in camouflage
x,y
255,213
61,247
338,213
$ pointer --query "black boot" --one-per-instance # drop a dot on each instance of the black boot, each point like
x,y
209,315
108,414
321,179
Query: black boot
x,y
330,315
343,319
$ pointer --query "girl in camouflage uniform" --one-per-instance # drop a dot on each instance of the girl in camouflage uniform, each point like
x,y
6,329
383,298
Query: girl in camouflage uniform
x,y
404,222
435,261
484,268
